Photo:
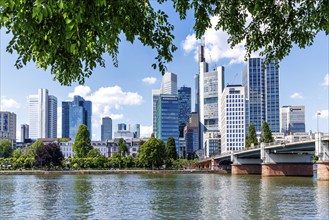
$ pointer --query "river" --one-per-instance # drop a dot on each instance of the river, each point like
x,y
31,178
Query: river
x,y
183,196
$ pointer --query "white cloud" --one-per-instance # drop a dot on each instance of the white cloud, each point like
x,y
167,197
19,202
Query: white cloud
x,y
216,46
146,131
81,91
149,80
296,95
59,122
326,80
116,116
8,104
323,114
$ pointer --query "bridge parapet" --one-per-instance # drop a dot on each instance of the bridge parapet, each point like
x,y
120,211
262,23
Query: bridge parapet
x,y
322,152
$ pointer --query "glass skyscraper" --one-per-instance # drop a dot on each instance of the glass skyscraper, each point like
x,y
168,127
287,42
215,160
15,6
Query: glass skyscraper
x,y
262,93
167,118
74,114
184,103
106,129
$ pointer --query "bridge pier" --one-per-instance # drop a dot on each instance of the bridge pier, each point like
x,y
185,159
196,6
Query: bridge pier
x,y
286,164
322,152
244,166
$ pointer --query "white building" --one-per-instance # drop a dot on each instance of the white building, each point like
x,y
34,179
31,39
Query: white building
x,y
66,148
155,97
7,125
42,115
292,119
169,84
136,130
233,131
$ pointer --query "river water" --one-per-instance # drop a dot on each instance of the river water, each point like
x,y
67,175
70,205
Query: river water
x,y
183,196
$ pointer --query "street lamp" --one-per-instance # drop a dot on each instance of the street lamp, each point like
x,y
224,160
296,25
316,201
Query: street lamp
x,y
317,121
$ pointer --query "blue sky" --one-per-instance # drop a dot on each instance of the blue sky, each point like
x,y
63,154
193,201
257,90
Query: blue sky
x,y
124,93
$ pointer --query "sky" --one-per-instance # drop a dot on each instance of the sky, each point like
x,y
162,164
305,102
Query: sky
x,y
125,93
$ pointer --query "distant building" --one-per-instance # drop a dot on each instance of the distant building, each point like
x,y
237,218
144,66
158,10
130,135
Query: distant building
x,y
136,130
169,84
191,133
106,129
262,93
167,118
7,125
74,114
155,97
42,115
233,133
122,127
292,119
24,132
184,104
212,144
125,134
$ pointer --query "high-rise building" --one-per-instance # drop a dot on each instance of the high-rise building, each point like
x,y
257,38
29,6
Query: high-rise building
x,y
197,94
167,118
155,97
106,129
122,127
24,132
184,104
8,125
74,114
211,85
169,83
233,118
262,93
42,115
292,119
191,133
136,130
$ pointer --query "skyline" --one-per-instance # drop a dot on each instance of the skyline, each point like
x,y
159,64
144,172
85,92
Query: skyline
x,y
304,79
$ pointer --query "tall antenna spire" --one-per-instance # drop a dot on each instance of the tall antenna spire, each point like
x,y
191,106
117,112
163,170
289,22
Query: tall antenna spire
x,y
201,50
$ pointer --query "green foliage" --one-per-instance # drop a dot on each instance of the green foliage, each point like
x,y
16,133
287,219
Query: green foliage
x,y
171,148
123,149
71,37
266,135
82,143
93,153
6,148
17,153
252,137
152,153
49,155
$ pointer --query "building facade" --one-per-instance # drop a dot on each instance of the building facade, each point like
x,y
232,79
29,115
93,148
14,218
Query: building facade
x,y
24,132
74,114
184,104
262,93
292,119
169,84
106,129
136,130
233,135
155,97
7,125
191,133
42,115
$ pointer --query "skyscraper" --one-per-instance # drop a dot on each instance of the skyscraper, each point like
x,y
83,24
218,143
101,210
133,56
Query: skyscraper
x,y
24,132
262,93
106,129
184,104
167,118
135,129
155,97
233,118
42,115
8,125
292,119
74,114
169,83
211,85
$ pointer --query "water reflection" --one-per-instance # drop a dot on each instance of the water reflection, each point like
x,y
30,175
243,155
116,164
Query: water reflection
x,y
322,199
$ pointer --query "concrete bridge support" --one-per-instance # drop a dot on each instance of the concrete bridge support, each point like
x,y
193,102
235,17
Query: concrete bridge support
x,y
243,166
322,152
286,164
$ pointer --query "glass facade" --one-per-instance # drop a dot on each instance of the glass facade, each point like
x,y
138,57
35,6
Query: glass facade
x,y
184,99
65,119
106,129
167,118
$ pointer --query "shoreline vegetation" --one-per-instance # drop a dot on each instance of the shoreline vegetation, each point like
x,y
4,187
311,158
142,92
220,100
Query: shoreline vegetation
x,y
102,172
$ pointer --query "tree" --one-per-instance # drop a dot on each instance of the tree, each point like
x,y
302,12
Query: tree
x,y
93,153
71,37
171,148
6,148
152,153
82,143
122,149
252,137
48,155
266,135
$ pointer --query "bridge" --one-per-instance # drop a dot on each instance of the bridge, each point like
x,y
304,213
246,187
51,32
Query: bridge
x,y
284,159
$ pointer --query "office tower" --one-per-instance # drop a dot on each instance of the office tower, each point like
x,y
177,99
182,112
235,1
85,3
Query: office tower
x,y
191,133
184,104
211,85
74,114
122,127
169,83
136,130
155,97
8,125
24,132
262,93
167,118
292,119
106,129
122,132
233,135
42,115
197,94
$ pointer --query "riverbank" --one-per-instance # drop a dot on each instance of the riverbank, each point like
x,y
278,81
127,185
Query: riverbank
x,y
95,172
